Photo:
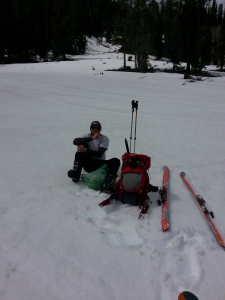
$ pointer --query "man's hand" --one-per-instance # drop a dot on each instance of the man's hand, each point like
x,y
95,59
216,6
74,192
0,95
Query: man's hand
x,y
81,148
96,135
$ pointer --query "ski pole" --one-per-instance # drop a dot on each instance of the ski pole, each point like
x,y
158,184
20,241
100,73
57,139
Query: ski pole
x,y
136,107
133,105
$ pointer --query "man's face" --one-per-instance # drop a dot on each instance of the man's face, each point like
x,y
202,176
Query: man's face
x,y
95,129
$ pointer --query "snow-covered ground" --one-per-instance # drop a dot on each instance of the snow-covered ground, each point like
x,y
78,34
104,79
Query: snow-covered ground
x,y
56,243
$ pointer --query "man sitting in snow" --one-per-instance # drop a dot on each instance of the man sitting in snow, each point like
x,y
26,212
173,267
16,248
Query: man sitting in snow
x,y
91,156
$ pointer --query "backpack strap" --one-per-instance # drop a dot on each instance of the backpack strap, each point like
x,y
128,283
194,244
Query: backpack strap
x,y
105,202
144,210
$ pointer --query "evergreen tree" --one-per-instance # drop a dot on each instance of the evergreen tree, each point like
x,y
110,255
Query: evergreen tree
x,y
193,11
5,22
172,25
221,53
123,29
220,14
141,35
155,28
132,24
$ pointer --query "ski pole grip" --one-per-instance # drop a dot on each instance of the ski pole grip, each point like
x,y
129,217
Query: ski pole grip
x,y
134,104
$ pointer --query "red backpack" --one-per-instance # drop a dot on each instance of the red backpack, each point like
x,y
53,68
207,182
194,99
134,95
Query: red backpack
x,y
133,186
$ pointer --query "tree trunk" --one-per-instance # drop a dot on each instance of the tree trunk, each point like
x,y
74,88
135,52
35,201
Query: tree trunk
x,y
187,70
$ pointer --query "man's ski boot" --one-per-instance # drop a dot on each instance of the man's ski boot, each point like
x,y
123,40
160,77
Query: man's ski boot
x,y
109,184
74,175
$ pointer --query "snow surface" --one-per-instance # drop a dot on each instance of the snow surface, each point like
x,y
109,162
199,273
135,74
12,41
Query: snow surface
x,y
56,243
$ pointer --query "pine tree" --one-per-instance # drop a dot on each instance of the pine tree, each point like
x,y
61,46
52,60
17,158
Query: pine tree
x,y
193,11
222,43
172,32
155,28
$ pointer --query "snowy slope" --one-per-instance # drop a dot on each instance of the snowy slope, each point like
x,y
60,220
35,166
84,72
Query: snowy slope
x,y
56,243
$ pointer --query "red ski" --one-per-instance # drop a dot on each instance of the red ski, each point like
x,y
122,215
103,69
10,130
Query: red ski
x,y
164,199
202,206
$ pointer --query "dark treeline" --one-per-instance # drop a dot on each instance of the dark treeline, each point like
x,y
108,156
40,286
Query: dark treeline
x,y
34,27
192,31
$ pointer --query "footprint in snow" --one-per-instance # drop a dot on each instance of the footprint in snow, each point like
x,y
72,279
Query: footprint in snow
x,y
181,262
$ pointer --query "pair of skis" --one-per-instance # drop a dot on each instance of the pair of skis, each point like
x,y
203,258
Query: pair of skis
x,y
198,199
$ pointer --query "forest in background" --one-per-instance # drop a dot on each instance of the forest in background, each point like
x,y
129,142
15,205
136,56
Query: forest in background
x,y
191,31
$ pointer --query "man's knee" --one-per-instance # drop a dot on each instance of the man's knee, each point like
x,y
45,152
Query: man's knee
x,y
80,156
115,162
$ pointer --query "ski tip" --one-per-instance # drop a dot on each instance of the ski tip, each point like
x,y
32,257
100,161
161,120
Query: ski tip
x,y
182,174
164,168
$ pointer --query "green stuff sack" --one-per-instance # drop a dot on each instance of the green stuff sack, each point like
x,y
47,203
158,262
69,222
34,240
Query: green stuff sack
x,y
94,180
